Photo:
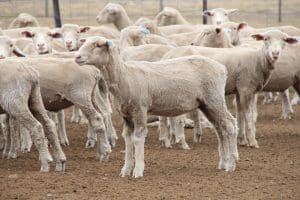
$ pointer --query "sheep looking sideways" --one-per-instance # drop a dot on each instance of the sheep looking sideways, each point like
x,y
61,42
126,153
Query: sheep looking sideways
x,y
186,84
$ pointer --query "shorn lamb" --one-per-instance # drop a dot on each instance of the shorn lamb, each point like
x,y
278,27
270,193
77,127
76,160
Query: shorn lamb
x,y
186,84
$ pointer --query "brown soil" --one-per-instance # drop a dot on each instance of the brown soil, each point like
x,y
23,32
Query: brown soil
x,y
270,172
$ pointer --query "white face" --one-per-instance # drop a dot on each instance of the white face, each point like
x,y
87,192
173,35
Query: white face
x,y
42,40
274,43
93,52
219,15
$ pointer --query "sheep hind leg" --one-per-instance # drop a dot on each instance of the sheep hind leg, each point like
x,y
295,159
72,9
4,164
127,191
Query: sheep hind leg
x,y
1,134
164,132
129,157
139,136
62,128
14,138
226,130
177,129
97,124
6,135
38,110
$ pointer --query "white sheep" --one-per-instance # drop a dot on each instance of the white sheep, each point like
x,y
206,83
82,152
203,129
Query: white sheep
x,y
169,16
166,88
219,15
245,78
24,20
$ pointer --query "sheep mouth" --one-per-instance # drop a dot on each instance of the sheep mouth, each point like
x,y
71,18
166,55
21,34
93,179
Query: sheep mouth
x,y
80,62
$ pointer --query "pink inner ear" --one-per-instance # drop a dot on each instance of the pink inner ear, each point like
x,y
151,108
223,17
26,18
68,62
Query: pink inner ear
x,y
257,36
27,34
84,29
291,40
241,26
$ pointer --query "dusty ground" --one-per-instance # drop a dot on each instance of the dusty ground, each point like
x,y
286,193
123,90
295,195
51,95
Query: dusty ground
x,y
270,172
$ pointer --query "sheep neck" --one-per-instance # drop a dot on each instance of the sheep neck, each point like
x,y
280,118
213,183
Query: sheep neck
x,y
266,64
122,21
116,72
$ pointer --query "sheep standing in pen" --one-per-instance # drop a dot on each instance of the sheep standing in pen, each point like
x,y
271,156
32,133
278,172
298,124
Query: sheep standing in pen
x,y
245,78
219,15
166,88
71,34
21,99
24,20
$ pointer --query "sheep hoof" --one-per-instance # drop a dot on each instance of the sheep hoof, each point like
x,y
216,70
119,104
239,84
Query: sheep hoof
x,y
60,167
185,146
64,143
197,139
12,155
242,142
137,173
126,171
45,167
90,144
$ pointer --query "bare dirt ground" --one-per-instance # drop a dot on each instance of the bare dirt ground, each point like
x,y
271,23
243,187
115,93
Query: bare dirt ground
x,y
270,172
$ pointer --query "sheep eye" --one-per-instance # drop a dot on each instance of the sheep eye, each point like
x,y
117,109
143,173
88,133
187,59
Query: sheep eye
x,y
11,45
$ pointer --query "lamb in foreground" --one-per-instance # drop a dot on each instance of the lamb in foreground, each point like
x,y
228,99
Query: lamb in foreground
x,y
165,88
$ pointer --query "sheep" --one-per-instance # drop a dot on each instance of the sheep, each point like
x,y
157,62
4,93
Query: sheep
x,y
245,78
41,38
290,30
21,99
114,13
150,25
208,35
60,91
169,16
135,36
186,84
24,20
8,48
219,15
233,29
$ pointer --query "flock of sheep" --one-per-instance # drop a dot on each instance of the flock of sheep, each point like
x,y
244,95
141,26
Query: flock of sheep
x,y
165,70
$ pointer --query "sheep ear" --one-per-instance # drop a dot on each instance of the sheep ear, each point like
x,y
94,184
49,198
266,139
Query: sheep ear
x,y
18,52
218,29
230,11
55,35
193,44
82,40
257,36
84,29
242,25
145,31
208,13
27,34
291,40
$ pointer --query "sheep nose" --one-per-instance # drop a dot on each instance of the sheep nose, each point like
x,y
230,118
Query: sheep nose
x,y
275,53
2,57
40,45
78,57
68,42
218,22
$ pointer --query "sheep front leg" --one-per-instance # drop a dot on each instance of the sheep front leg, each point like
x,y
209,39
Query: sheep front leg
x,y
2,140
242,140
26,142
250,123
164,132
139,135
287,109
6,135
197,125
129,157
